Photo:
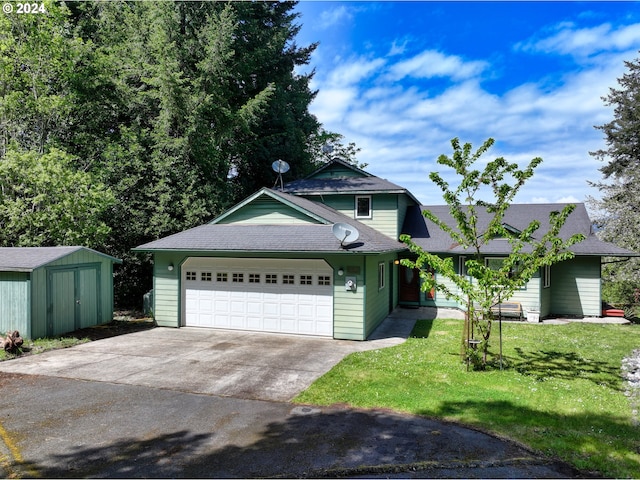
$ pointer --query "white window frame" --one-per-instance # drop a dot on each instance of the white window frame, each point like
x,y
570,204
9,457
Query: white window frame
x,y
486,262
381,275
370,213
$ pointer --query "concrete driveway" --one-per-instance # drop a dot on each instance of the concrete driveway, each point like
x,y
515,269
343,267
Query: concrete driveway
x,y
250,365
132,407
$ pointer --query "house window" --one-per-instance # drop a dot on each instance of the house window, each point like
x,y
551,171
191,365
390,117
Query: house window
x,y
222,277
254,278
205,276
363,206
270,278
381,276
288,279
495,263
191,275
324,280
237,278
306,280
546,276
462,265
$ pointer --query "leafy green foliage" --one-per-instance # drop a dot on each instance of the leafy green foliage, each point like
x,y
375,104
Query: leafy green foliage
x,y
484,285
560,391
156,101
45,201
616,212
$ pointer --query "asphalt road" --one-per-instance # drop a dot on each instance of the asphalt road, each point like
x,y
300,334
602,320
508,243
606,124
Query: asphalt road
x,y
194,404
54,427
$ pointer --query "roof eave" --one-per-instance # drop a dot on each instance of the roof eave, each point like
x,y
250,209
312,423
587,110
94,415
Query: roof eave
x,y
271,252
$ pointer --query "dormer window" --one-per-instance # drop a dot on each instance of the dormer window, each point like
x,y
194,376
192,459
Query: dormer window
x,y
363,206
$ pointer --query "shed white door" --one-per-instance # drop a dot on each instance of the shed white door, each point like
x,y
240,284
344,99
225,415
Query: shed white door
x,y
271,295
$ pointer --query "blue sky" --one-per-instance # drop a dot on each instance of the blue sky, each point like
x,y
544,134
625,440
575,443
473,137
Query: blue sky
x,y
401,79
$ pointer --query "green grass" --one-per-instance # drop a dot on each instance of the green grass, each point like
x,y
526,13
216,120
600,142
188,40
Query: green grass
x,y
31,347
560,391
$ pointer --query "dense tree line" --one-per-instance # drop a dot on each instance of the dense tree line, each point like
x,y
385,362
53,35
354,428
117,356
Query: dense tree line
x,y
119,121
618,209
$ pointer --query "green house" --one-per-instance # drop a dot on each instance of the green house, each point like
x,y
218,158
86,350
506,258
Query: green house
x,y
49,291
281,261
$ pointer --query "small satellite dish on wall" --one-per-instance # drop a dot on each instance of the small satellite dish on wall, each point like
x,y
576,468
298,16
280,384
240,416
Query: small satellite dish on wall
x,y
280,167
345,233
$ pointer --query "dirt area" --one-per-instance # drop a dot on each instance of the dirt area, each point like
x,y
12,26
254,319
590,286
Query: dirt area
x,y
125,321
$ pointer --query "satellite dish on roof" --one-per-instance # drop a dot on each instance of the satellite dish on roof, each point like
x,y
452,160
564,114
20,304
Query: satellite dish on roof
x,y
280,167
345,233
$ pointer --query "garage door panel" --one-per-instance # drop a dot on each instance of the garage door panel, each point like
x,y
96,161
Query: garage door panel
x,y
254,304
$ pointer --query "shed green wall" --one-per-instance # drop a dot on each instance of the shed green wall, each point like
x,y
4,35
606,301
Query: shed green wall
x,y
353,317
14,307
82,258
576,287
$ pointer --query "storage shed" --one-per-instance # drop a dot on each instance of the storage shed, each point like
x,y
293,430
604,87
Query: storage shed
x,y
49,291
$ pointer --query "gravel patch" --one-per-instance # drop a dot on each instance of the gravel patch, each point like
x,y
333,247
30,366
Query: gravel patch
x,y
631,375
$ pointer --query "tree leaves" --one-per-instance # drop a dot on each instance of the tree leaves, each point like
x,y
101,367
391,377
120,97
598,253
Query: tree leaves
x,y
485,285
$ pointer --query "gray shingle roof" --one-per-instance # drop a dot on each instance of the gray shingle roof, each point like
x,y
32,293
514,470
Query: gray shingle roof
x,y
365,184
430,237
353,185
27,259
278,238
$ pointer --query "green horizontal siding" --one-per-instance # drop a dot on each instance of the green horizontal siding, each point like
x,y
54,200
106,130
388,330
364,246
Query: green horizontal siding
x,y
384,211
576,288
377,299
266,210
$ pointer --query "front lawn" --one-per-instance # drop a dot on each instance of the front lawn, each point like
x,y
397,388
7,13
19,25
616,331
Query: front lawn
x,y
560,392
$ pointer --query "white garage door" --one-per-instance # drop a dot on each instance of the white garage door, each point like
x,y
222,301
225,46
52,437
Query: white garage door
x,y
285,296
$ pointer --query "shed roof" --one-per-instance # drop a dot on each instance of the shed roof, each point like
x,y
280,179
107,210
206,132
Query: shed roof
x,y
518,217
287,238
27,259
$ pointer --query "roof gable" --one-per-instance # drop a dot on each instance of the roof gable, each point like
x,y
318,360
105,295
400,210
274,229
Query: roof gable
x,y
337,168
267,207
284,238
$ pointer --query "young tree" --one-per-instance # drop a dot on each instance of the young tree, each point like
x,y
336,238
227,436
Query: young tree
x,y
617,210
484,285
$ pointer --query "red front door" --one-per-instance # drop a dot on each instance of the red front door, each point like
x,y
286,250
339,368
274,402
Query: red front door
x,y
409,285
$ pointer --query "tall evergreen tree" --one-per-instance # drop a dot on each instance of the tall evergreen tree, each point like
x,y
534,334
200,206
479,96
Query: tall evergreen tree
x,y
617,209
200,87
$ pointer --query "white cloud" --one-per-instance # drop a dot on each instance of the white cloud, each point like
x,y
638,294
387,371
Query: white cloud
x,y
570,40
332,17
391,109
354,71
431,63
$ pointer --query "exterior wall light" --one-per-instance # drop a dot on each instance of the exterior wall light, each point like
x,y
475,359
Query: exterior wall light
x,y
340,272
170,267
